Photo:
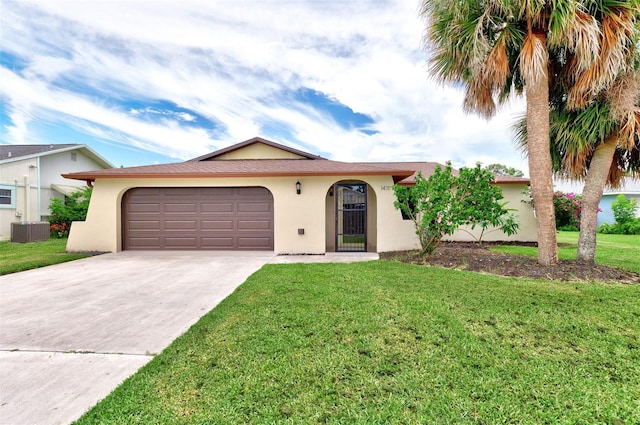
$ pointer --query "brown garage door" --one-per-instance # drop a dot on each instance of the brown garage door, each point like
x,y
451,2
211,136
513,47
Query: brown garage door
x,y
198,218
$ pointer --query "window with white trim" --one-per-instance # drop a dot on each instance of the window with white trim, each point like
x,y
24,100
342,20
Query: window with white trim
x,y
7,197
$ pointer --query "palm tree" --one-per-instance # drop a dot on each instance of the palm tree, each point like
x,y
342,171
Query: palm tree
x,y
495,47
598,144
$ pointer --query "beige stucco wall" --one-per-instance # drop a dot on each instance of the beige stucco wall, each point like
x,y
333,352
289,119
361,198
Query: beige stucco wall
x,y
259,151
523,211
311,211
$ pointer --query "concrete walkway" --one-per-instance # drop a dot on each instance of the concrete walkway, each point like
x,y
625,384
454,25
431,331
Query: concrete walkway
x,y
70,333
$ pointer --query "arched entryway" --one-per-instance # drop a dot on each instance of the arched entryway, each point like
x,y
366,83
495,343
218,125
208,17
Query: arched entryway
x,y
351,217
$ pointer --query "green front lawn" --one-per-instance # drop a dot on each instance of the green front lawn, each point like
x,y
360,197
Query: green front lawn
x,y
622,251
384,342
16,257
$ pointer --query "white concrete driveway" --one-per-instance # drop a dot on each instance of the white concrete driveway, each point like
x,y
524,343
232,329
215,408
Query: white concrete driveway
x,y
70,333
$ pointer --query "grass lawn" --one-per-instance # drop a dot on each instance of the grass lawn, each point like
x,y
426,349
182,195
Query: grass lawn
x,y
622,251
385,342
16,257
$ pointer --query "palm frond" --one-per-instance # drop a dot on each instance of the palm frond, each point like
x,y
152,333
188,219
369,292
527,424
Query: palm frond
x,y
630,131
496,66
479,99
561,19
583,38
533,58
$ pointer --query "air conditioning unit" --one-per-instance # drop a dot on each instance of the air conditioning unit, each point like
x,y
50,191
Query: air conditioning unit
x,y
30,231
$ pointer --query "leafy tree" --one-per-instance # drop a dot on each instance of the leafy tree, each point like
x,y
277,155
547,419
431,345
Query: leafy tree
x,y
478,203
429,204
493,48
439,205
503,170
71,208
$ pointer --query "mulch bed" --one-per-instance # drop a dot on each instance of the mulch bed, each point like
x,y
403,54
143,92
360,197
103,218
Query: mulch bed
x,y
473,257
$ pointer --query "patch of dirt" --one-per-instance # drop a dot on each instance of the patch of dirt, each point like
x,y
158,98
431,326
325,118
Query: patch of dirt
x,y
476,258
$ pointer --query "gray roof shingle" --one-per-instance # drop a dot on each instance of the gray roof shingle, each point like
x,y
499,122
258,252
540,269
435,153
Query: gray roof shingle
x,y
17,151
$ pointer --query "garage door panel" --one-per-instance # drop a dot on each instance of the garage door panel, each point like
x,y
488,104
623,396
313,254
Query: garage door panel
x,y
253,225
148,191
145,225
180,242
218,243
217,224
198,218
180,208
144,243
144,208
246,207
181,225
180,192
218,207
253,243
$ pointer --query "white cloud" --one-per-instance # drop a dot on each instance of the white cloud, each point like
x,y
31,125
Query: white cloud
x,y
231,62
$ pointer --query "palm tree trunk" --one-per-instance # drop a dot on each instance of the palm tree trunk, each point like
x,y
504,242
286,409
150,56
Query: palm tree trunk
x,y
591,195
537,94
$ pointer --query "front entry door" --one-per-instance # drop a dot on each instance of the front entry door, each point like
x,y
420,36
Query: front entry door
x,y
351,217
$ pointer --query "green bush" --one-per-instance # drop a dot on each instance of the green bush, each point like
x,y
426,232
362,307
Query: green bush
x,y
442,203
628,228
624,212
71,208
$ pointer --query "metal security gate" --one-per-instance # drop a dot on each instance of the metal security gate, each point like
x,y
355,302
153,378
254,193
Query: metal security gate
x,y
351,217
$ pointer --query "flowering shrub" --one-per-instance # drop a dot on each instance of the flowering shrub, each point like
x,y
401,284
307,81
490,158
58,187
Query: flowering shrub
x,y
64,211
568,209
429,205
59,230
443,202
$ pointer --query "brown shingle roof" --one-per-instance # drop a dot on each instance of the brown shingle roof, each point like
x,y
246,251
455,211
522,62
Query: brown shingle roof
x,y
248,168
511,180
427,168
403,173
207,166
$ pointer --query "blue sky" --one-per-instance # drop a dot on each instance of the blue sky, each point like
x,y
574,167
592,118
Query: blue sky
x,y
145,82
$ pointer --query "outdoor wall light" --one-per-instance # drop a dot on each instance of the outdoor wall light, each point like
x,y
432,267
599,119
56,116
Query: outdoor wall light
x,y
298,187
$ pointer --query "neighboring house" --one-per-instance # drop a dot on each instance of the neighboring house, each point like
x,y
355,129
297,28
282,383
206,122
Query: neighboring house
x,y
259,195
630,188
30,176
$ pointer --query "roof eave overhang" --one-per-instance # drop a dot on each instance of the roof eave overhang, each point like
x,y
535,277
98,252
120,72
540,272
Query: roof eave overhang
x,y
525,182
397,176
84,148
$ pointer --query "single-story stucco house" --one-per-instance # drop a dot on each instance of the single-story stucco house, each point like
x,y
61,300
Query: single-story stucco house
x,y
260,195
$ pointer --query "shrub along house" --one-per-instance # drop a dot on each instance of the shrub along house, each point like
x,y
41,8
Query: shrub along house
x,y
260,195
